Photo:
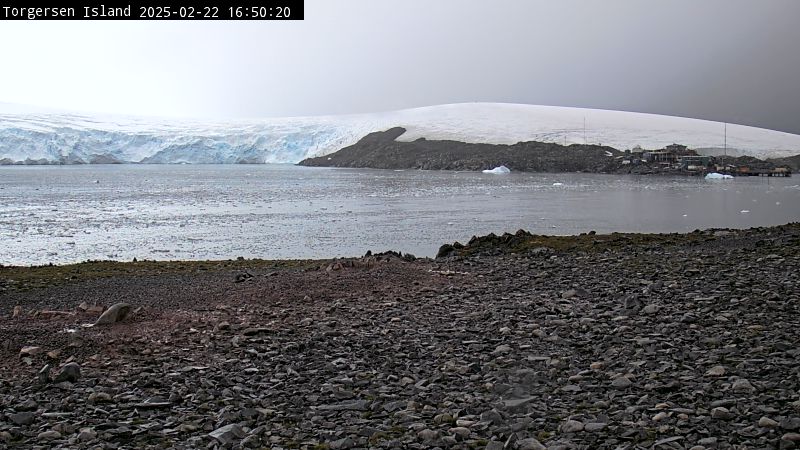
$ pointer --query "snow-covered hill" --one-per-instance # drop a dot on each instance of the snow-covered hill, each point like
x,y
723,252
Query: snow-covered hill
x,y
27,135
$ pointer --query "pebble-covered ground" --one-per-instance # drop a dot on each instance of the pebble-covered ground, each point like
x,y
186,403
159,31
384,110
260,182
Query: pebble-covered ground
x,y
517,342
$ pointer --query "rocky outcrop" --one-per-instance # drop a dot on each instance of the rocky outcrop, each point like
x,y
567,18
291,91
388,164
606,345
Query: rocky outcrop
x,y
382,150
792,162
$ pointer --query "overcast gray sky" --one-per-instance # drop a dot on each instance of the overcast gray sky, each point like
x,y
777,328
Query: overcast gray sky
x,y
726,60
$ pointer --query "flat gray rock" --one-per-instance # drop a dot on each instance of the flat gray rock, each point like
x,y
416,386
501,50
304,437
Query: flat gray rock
x,y
353,405
228,434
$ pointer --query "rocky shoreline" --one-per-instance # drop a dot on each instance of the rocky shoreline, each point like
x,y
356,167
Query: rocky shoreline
x,y
507,342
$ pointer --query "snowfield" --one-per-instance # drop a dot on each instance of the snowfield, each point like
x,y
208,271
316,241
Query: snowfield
x,y
28,135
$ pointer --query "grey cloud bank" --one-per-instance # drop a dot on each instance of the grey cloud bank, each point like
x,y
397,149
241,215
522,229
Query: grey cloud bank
x,y
733,61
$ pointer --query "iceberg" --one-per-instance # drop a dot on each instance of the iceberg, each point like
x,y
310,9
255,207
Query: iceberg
x,y
718,176
32,136
498,170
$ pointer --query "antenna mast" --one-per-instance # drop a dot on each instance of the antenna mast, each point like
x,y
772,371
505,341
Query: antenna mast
x,y
726,146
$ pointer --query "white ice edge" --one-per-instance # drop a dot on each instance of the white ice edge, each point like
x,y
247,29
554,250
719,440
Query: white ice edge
x,y
52,136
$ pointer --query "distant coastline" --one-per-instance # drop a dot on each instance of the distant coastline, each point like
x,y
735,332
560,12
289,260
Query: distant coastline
x,y
382,150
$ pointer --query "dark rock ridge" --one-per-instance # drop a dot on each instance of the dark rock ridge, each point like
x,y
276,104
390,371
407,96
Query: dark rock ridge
x,y
790,161
381,150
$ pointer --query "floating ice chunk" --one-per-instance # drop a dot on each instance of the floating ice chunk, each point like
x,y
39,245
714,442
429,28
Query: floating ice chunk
x,y
498,170
744,211
718,176
558,184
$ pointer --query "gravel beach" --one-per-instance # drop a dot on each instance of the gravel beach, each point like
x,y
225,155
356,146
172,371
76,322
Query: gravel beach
x,y
621,341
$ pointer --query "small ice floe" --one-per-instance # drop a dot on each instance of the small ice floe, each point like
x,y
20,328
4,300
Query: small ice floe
x,y
685,215
498,170
778,203
558,184
744,211
718,176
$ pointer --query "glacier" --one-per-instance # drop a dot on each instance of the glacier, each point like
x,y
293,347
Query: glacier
x,y
32,136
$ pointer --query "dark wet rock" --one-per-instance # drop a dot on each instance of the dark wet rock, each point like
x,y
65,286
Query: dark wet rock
x,y
592,427
343,443
530,444
621,383
87,434
28,405
721,413
22,418
70,372
354,405
253,331
494,445
152,405
790,423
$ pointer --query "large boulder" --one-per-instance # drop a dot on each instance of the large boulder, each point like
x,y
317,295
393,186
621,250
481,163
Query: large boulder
x,y
69,372
116,313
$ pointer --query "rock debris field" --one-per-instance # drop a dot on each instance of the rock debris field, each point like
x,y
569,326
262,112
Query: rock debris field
x,y
618,341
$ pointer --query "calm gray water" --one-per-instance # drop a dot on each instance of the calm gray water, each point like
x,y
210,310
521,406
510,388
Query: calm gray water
x,y
65,214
